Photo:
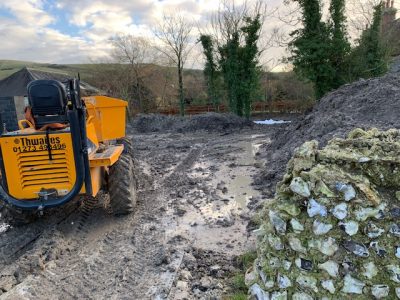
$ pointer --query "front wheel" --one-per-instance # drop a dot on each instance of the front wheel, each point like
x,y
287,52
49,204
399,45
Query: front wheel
x,y
122,186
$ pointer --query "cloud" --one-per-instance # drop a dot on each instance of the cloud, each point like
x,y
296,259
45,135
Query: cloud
x,y
71,31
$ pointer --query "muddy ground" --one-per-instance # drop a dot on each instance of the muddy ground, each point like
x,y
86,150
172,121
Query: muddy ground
x,y
196,201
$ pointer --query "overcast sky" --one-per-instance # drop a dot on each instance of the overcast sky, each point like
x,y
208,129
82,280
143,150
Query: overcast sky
x,y
78,31
71,31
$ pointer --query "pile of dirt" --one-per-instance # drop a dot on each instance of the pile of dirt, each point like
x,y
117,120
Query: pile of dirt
x,y
332,228
209,122
364,104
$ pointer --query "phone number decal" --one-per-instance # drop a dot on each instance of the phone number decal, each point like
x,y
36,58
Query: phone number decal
x,y
24,149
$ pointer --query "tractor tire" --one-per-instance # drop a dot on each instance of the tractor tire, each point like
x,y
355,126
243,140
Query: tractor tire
x,y
16,217
128,145
122,186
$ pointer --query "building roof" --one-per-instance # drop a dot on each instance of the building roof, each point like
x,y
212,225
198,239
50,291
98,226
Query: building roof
x,y
15,84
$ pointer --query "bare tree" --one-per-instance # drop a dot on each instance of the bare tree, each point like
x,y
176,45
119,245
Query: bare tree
x,y
174,33
133,53
360,14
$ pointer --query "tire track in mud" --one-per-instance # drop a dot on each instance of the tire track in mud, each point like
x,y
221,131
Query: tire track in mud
x,y
129,260
15,241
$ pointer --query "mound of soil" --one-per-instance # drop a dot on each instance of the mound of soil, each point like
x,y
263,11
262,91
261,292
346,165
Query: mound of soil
x,y
208,122
364,104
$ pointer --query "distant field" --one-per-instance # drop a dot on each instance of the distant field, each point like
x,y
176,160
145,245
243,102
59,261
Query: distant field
x,y
8,67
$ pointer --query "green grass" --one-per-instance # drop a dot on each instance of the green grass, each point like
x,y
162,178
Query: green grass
x,y
237,285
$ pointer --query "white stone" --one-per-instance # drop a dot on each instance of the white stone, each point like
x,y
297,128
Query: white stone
x,y
279,296
300,187
275,242
370,270
397,253
394,272
316,209
274,263
373,231
296,225
327,246
278,223
286,265
296,245
301,296
257,292
352,285
340,211
331,267
350,227
250,277
348,191
380,291
283,281
307,282
320,228
365,213
397,292
329,286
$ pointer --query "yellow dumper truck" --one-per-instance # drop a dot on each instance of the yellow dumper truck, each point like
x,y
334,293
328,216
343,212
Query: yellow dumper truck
x,y
67,146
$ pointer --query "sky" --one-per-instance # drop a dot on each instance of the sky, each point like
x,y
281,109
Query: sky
x,y
78,31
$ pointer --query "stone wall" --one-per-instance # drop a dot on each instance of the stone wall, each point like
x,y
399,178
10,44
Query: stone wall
x,y
8,113
332,230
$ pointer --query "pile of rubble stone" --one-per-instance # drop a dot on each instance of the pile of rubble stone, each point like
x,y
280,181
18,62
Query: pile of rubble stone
x,y
332,230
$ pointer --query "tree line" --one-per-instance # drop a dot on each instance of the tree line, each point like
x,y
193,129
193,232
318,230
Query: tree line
x,y
321,53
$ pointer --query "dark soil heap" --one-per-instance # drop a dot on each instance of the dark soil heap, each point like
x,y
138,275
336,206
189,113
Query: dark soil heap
x,y
208,122
364,104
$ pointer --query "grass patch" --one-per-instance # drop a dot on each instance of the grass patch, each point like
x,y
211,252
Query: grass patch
x,y
238,288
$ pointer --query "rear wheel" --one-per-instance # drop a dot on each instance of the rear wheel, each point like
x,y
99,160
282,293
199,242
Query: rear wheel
x,y
122,186
16,217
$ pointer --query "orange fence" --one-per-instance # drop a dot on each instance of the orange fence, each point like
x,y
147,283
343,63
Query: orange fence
x,y
276,106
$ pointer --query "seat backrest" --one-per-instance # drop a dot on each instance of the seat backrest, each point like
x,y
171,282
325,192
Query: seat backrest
x,y
48,101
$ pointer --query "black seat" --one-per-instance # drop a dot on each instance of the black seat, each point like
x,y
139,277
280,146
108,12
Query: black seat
x,y
48,101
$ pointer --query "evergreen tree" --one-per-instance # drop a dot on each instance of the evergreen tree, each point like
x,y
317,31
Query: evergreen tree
x,y
310,48
210,69
340,46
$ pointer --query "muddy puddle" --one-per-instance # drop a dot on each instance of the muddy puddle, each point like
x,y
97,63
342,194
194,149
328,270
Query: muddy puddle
x,y
218,214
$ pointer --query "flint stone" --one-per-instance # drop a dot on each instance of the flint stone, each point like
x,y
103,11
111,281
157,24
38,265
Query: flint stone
x,y
320,228
307,282
296,245
304,264
350,227
370,270
286,265
347,190
257,293
394,272
316,209
279,296
365,213
352,285
356,248
380,251
395,212
296,225
380,291
373,231
283,281
301,296
275,242
395,230
277,222
300,187
398,292
329,286
331,267
327,247
397,251
340,211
